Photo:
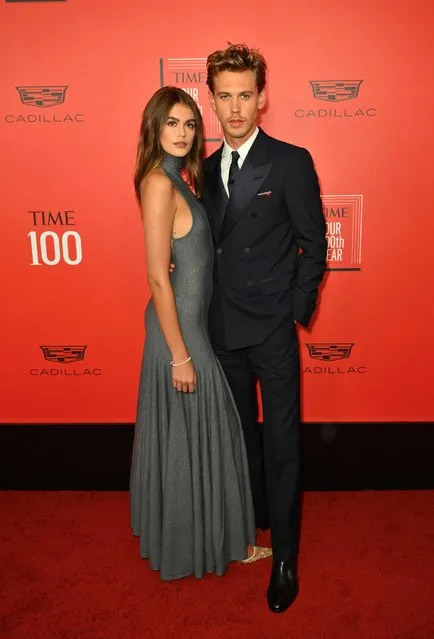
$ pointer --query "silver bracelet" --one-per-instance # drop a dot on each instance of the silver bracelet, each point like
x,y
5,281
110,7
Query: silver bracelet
x,y
173,365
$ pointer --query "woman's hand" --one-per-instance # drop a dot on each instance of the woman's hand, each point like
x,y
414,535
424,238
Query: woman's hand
x,y
184,378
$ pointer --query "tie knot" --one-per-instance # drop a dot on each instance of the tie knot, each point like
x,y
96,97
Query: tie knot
x,y
235,157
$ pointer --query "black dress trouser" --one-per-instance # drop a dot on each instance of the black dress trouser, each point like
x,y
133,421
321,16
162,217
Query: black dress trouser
x,y
273,450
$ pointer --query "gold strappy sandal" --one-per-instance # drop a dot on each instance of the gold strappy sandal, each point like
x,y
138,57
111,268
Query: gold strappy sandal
x,y
258,553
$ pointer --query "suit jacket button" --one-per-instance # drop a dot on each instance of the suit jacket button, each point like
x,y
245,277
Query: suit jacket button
x,y
246,250
249,283
219,251
253,215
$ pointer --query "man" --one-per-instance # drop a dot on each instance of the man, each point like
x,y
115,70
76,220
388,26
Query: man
x,y
263,199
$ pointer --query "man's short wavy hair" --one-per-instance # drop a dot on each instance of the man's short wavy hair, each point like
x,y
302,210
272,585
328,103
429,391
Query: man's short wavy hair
x,y
236,57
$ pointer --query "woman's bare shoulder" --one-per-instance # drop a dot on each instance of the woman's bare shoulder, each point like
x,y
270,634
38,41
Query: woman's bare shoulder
x,y
157,180
157,194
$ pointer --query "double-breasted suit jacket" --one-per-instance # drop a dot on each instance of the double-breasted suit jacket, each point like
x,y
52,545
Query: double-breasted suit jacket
x,y
269,237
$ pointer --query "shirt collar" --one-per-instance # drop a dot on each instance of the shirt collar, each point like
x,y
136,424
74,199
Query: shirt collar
x,y
243,149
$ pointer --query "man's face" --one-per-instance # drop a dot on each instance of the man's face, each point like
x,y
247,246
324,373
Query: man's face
x,y
237,102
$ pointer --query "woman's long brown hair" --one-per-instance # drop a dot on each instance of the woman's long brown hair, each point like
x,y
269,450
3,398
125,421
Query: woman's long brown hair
x,y
150,153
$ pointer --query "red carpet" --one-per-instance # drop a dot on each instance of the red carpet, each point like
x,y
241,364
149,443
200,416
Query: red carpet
x,y
70,568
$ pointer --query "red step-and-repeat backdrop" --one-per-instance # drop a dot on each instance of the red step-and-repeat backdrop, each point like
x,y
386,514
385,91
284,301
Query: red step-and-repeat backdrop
x,y
352,82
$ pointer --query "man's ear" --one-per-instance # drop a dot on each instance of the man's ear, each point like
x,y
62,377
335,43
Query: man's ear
x,y
262,98
211,100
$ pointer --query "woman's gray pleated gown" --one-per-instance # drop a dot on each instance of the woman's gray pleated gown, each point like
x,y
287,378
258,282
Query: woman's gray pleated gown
x,y
191,503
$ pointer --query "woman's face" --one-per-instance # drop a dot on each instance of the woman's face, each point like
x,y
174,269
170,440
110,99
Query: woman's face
x,y
177,134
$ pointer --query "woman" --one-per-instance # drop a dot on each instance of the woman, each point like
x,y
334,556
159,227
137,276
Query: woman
x,y
190,493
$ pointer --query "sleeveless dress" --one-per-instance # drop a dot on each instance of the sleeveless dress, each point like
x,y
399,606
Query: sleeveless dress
x,y
190,495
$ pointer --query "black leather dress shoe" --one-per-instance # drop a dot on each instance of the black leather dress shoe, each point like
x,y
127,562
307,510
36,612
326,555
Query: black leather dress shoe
x,y
283,587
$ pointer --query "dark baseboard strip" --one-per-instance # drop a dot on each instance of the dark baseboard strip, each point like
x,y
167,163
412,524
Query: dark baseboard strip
x,y
335,456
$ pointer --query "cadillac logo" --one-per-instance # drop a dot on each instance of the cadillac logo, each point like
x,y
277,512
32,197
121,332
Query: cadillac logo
x,y
42,97
329,352
63,354
335,90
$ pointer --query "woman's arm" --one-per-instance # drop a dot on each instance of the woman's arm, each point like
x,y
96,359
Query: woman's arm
x,y
158,211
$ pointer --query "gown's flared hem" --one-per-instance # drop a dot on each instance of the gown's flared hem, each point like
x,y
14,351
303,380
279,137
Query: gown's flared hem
x,y
191,504
197,575
234,557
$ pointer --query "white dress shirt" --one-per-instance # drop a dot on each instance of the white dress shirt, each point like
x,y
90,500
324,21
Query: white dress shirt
x,y
226,160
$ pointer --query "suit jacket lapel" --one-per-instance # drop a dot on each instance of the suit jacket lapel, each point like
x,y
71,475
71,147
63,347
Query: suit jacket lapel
x,y
217,194
253,173
221,201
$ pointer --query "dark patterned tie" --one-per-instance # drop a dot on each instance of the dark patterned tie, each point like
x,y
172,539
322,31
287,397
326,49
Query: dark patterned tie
x,y
233,171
